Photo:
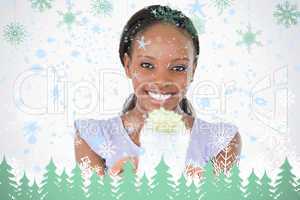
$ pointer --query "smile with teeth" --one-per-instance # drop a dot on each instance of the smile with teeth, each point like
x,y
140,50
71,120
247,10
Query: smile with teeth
x,y
159,97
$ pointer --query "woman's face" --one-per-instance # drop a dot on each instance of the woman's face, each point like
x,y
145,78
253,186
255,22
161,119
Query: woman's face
x,y
161,66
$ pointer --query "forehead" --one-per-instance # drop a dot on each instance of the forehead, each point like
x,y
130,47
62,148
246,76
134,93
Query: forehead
x,y
160,40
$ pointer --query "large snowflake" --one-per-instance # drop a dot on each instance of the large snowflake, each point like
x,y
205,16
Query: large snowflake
x,y
41,5
30,131
196,7
85,166
143,43
287,14
103,7
221,5
68,18
14,33
249,38
107,149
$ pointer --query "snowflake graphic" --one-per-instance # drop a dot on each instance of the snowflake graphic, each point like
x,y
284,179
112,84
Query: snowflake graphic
x,y
220,139
85,166
41,5
286,14
14,33
221,5
249,38
30,131
142,43
101,7
107,149
68,18
196,7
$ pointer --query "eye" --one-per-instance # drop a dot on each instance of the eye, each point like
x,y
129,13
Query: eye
x,y
179,68
146,65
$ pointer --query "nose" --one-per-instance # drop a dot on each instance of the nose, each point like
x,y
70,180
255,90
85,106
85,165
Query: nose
x,y
161,75
163,86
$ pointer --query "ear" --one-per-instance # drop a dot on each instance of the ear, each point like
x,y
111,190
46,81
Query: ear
x,y
126,60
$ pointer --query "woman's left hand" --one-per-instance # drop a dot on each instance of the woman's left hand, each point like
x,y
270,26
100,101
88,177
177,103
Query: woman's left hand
x,y
118,167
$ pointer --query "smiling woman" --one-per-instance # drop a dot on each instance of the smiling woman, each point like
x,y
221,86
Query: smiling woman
x,y
159,50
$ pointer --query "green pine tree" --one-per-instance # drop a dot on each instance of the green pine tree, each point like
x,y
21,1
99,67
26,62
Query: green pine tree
x,y
77,190
223,186
34,191
285,185
107,189
298,186
24,189
192,193
266,189
181,189
64,185
50,183
208,186
127,185
94,187
8,184
163,186
235,184
253,188
144,190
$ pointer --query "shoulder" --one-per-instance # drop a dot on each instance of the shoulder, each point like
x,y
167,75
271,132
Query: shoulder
x,y
215,128
92,127
217,135
97,133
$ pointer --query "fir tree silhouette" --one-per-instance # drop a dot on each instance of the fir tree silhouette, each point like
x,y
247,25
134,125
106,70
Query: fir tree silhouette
x,y
163,185
94,187
24,189
107,189
127,185
235,184
208,186
298,186
143,192
253,188
8,185
181,188
50,183
266,189
285,185
192,192
77,191
34,191
64,185
223,186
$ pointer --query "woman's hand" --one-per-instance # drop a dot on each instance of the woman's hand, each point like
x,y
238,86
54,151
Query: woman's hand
x,y
194,172
118,167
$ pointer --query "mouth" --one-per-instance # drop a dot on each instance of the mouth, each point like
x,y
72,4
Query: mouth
x,y
160,97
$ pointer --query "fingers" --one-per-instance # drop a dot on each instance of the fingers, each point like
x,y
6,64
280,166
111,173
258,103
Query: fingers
x,y
119,165
194,172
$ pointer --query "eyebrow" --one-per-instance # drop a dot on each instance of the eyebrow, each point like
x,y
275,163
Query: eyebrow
x,y
153,58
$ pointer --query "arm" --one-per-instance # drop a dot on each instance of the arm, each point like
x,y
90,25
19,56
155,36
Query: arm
x,y
85,155
228,156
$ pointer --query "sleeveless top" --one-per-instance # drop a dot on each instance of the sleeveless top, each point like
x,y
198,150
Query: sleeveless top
x,y
109,139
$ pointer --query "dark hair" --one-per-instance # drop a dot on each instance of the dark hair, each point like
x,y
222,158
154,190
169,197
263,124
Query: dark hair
x,y
142,20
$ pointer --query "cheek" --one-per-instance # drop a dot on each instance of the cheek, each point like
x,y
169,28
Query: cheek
x,y
181,81
141,77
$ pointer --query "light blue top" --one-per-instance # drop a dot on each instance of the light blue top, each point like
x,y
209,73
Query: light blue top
x,y
109,139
